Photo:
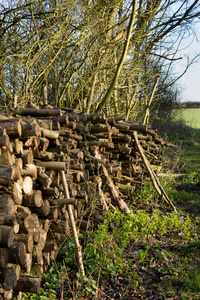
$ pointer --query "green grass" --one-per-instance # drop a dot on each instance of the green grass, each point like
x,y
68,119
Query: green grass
x,y
191,116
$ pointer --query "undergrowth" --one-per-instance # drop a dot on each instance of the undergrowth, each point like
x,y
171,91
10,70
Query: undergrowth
x,y
105,257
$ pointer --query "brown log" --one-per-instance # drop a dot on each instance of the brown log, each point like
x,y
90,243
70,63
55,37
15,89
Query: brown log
x,y
68,135
7,220
7,205
44,143
6,157
23,211
18,147
115,120
36,153
32,141
47,156
38,112
55,176
34,199
53,214
6,175
51,192
43,210
26,239
65,201
99,128
27,156
3,257
28,284
6,236
31,129
63,120
49,133
45,123
46,258
4,141
32,224
17,253
13,129
52,165
43,178
8,278
16,268
32,105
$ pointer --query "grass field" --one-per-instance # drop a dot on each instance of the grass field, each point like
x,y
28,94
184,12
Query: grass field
x,y
191,116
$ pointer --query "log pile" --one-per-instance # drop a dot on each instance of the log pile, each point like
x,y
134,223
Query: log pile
x,y
102,166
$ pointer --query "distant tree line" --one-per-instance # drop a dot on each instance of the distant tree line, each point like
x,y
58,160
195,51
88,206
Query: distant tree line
x,y
113,56
188,104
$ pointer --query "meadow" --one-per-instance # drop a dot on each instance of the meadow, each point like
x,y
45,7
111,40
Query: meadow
x,y
191,116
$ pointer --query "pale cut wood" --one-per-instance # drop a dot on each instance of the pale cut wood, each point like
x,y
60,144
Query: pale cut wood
x,y
30,170
17,193
53,165
7,295
27,185
49,133
28,263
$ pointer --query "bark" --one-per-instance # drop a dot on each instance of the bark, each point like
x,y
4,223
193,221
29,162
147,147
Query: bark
x,y
28,284
38,112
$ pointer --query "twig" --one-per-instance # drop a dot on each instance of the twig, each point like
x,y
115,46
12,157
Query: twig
x,y
153,176
71,217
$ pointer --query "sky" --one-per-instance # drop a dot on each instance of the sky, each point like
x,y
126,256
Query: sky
x,y
189,83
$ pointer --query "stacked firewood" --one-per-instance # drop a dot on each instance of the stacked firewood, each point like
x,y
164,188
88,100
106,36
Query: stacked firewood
x,y
102,166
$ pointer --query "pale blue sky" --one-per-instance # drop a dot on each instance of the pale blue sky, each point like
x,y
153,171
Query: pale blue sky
x,y
189,84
